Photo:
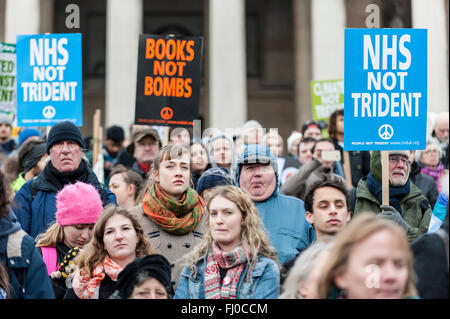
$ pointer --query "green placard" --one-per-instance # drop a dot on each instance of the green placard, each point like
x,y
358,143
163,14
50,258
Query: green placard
x,y
8,79
326,96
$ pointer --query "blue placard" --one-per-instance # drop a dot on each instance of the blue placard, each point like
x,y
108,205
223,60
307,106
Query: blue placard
x,y
385,89
49,79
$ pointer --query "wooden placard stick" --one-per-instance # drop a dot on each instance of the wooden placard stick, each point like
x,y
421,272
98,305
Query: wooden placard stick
x,y
385,177
165,140
95,136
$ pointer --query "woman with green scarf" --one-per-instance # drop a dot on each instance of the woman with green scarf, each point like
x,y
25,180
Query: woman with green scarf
x,y
170,210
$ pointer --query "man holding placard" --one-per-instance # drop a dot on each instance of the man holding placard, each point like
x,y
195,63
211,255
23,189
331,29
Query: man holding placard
x,y
385,111
408,206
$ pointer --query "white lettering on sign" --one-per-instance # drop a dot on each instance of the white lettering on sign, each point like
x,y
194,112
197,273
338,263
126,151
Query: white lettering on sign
x,y
49,58
387,54
387,51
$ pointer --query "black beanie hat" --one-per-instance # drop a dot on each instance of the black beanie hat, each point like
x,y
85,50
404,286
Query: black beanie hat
x,y
64,131
213,177
154,265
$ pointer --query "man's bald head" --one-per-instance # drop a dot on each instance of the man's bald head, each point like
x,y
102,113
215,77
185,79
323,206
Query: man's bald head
x,y
441,127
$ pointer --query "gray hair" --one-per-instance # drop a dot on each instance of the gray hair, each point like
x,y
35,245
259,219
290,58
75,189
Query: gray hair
x,y
419,153
302,268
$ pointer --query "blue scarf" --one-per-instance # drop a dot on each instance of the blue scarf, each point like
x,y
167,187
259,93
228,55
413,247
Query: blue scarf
x,y
395,193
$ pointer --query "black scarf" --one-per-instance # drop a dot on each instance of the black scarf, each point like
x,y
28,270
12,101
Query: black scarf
x,y
395,193
61,179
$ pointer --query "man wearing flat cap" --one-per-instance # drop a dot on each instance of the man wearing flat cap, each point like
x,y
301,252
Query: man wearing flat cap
x,y
144,147
35,202
408,207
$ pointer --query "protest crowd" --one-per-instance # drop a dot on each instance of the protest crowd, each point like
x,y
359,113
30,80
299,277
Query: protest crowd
x,y
168,208
211,217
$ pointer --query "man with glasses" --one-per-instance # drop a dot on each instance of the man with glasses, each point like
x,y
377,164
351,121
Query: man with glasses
x,y
408,207
35,202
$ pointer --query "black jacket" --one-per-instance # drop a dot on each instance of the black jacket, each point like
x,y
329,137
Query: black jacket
x,y
431,264
359,163
425,183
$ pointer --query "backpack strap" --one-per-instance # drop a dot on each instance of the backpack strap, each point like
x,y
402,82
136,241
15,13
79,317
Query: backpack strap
x,y
32,189
50,259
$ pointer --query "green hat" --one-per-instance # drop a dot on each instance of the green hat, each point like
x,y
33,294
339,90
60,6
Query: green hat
x,y
375,162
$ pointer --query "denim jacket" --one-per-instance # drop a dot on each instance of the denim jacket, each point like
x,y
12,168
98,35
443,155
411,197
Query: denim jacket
x,y
264,281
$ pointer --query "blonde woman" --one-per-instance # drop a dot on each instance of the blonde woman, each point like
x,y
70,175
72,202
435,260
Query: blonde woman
x,y
78,207
235,259
302,281
370,259
118,239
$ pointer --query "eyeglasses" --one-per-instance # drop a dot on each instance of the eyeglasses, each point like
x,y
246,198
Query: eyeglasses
x,y
71,145
431,152
396,159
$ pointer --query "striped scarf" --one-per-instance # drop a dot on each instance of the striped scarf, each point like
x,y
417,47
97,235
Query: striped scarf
x,y
233,262
174,217
89,287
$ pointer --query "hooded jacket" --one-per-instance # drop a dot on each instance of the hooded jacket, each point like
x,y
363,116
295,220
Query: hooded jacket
x,y
22,259
38,213
415,208
282,216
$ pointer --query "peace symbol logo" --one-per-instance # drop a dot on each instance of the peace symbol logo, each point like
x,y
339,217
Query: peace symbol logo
x,y
166,113
49,112
386,131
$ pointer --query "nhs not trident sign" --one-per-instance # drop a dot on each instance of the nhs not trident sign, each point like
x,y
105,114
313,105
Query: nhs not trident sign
x,y
385,89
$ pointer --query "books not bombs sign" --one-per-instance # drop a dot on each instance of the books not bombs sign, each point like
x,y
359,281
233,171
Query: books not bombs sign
x,y
168,80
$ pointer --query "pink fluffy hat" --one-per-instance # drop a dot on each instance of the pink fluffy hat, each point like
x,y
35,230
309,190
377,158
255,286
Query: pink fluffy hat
x,y
78,203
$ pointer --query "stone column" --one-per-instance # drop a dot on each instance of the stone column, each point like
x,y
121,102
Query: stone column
x,y
431,15
227,67
124,23
328,23
21,17
302,58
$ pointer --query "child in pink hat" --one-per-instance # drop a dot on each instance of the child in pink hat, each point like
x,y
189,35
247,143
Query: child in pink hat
x,y
78,207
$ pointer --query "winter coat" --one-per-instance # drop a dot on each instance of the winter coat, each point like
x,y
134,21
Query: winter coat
x,y
173,247
264,281
359,163
308,174
425,183
431,265
283,216
38,213
415,208
23,262
59,285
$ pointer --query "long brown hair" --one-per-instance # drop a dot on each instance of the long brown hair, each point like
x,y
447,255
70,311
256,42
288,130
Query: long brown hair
x,y
332,126
94,252
252,233
360,228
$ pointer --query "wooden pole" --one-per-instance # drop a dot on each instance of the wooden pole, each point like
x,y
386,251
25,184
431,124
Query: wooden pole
x,y
385,177
347,169
95,136
165,140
